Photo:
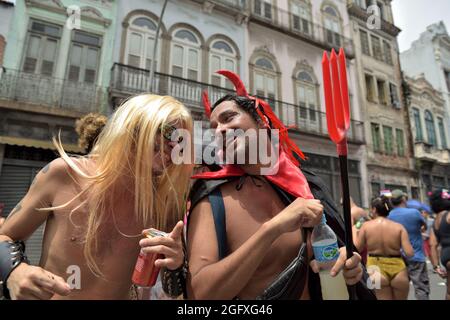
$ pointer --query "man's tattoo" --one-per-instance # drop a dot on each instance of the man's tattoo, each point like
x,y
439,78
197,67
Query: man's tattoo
x,y
46,168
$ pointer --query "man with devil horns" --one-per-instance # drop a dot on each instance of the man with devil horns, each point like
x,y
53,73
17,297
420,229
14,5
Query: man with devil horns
x,y
248,235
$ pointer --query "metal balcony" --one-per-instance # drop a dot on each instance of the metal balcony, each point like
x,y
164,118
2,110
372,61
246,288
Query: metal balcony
x,y
127,80
50,92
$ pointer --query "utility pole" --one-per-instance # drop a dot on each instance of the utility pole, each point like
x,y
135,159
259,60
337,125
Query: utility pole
x,y
155,47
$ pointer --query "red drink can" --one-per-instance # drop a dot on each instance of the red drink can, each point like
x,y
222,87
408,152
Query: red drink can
x,y
145,272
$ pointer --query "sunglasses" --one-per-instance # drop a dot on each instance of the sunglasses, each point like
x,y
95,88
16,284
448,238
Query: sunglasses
x,y
167,132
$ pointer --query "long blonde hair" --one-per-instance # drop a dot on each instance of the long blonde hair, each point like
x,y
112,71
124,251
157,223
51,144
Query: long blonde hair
x,y
125,148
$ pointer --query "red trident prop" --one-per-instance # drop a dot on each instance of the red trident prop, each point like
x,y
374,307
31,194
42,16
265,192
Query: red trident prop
x,y
337,104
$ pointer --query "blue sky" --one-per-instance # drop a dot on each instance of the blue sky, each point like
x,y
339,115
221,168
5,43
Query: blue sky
x,y
413,16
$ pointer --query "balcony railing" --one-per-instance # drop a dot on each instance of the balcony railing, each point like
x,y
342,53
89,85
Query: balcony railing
x,y
131,80
127,80
295,25
50,92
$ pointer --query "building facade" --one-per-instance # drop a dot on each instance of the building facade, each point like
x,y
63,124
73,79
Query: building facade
x,y
389,153
196,38
53,73
427,65
430,55
429,128
6,12
286,41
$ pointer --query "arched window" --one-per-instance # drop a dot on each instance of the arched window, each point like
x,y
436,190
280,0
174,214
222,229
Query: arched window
x,y
332,24
140,43
266,79
186,55
306,90
431,132
301,17
222,56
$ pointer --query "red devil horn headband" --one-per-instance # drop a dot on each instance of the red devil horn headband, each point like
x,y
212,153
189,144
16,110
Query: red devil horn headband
x,y
236,81
264,111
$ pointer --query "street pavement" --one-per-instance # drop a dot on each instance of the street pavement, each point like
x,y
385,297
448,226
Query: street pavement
x,y
437,286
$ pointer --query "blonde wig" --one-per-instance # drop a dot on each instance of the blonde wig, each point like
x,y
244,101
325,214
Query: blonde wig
x,y
126,149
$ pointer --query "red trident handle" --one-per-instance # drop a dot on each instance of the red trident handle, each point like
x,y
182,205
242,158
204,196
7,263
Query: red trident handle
x,y
337,104
337,100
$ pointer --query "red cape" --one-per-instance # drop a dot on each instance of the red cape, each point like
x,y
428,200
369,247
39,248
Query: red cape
x,y
289,177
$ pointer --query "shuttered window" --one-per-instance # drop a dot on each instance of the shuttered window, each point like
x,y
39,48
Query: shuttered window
x,y
41,48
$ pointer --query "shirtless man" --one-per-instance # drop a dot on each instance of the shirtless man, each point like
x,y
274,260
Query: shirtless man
x,y
384,239
263,234
91,219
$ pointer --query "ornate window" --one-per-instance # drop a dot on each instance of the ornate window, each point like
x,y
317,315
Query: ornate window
x,y
417,125
400,142
388,143
301,17
222,56
186,55
442,133
263,8
41,48
266,79
84,57
140,43
431,132
376,137
332,24
306,90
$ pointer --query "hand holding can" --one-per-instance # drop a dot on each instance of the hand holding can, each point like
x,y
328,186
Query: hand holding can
x,y
170,246
145,272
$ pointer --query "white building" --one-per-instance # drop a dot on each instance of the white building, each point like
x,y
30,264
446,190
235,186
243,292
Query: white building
x,y
431,149
196,38
430,56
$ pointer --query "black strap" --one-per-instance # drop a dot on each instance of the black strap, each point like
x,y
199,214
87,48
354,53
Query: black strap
x,y
218,209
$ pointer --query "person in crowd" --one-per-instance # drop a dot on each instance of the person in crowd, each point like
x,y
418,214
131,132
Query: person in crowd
x,y
440,203
414,223
246,227
88,128
96,207
384,240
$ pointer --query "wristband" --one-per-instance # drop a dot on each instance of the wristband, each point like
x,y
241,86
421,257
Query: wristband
x,y
174,281
12,254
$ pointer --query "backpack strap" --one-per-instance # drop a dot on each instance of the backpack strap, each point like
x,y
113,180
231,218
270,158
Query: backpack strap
x,y
218,209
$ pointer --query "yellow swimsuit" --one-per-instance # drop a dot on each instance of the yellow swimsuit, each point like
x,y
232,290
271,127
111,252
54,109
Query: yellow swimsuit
x,y
389,266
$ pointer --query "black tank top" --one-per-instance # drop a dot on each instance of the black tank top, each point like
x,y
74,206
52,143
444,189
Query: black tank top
x,y
443,232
